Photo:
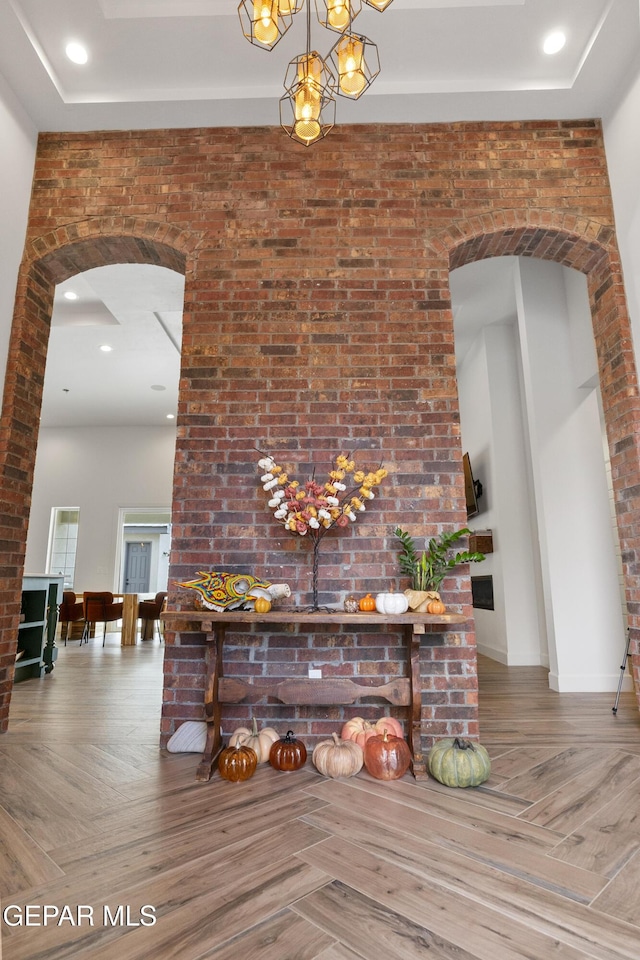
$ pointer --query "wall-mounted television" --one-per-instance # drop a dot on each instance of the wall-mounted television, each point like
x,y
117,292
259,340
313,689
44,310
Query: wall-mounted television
x,y
472,488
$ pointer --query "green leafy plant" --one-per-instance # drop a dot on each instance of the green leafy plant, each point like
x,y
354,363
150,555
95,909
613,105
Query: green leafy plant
x,y
428,569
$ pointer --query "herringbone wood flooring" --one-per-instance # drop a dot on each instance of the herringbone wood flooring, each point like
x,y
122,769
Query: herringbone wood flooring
x,y
542,861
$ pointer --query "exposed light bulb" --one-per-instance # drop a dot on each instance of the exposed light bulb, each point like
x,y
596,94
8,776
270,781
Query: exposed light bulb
x,y
338,14
265,27
352,78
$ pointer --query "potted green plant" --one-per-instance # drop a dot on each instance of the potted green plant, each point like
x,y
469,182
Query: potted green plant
x,y
428,569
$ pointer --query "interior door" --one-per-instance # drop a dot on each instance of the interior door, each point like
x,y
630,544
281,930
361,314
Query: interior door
x,y
137,566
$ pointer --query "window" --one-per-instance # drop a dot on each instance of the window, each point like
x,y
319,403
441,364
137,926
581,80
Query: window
x,y
63,540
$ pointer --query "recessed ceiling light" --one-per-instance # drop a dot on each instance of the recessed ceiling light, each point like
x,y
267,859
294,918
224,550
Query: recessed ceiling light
x,y
76,52
70,295
171,416
554,42
157,386
106,348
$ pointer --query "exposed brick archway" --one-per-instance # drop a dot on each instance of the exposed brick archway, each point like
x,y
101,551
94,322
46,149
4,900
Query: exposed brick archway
x,y
49,260
318,313
592,253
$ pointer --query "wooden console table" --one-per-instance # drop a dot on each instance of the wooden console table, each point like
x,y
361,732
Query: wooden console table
x,y
401,691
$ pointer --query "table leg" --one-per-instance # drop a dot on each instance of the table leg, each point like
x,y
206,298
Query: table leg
x,y
129,619
213,745
414,733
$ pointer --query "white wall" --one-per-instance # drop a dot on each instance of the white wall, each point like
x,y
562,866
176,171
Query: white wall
x,y
492,432
580,572
531,421
99,470
621,129
18,138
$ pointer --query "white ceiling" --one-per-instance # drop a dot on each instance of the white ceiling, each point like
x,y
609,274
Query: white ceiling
x,y
183,63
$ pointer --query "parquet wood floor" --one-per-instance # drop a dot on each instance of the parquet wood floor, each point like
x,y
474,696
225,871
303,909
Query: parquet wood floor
x,y
543,861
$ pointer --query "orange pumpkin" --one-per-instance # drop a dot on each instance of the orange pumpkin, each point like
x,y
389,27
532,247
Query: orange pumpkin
x,y
262,605
367,603
436,606
237,763
391,725
288,753
358,730
387,758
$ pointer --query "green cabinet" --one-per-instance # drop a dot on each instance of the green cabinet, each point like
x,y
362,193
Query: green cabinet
x,y
41,597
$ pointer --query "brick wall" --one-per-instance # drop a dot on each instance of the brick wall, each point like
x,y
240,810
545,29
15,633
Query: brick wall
x,y
317,319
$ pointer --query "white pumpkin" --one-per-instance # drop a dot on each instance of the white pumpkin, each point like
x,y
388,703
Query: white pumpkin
x,y
258,740
391,602
190,737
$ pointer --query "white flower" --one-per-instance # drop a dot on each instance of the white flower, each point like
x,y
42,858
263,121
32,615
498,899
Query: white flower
x,y
269,485
281,513
275,502
333,501
265,477
266,463
324,514
351,516
339,486
313,523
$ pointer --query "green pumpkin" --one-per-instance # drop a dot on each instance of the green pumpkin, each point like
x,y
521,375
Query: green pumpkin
x,y
459,763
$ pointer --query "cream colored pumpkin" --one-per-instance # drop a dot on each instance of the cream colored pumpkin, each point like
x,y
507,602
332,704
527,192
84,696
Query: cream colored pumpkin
x,y
258,740
337,758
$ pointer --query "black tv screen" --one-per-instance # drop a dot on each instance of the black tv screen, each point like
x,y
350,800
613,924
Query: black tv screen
x,y
470,488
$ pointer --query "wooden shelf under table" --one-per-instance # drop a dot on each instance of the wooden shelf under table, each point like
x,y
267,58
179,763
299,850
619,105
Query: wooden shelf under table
x,y
401,691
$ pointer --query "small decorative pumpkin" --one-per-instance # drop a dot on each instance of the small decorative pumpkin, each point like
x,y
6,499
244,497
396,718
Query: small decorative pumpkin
x,y
358,730
387,757
262,605
436,606
258,740
288,753
337,758
367,604
350,605
459,763
391,602
391,725
237,763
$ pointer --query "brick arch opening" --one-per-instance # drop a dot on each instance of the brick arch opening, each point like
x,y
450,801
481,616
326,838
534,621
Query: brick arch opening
x,y
49,261
616,365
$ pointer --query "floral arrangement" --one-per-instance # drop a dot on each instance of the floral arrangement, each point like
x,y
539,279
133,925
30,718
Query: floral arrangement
x,y
317,507
314,508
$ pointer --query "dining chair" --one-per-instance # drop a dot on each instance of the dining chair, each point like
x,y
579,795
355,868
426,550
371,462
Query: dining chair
x,y
71,611
99,607
149,612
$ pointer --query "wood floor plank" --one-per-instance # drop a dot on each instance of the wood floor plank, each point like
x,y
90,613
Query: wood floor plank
x,y
548,776
512,763
621,897
608,840
568,807
23,863
30,804
225,863
163,850
189,901
510,856
337,952
459,806
284,936
480,933
375,929
594,932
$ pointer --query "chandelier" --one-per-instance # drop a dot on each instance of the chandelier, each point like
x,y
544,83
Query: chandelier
x,y
311,83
